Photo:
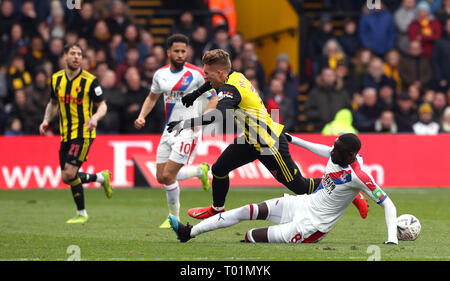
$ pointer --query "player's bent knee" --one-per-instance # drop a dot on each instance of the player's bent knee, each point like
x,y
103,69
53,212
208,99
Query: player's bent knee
x,y
257,235
67,176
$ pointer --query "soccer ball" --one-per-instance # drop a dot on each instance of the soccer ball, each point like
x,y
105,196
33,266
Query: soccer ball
x,y
408,227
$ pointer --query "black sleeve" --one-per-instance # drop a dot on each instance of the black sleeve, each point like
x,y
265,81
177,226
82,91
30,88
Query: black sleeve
x,y
229,98
96,92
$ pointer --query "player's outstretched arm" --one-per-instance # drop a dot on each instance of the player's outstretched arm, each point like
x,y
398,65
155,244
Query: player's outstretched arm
x,y
92,123
50,112
319,149
147,107
390,213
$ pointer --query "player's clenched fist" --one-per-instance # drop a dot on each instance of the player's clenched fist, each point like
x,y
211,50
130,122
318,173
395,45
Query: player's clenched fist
x,y
43,128
139,123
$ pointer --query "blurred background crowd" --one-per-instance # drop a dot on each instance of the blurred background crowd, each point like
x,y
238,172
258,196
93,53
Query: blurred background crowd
x,y
388,71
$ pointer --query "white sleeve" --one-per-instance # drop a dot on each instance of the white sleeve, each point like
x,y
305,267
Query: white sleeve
x,y
319,149
155,88
390,214
366,183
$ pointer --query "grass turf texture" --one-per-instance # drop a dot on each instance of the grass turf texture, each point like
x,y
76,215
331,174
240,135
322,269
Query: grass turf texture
x,y
125,227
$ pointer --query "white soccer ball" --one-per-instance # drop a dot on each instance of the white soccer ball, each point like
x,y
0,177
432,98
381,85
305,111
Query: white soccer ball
x,y
408,227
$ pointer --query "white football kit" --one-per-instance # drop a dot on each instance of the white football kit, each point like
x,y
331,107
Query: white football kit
x,y
174,85
308,218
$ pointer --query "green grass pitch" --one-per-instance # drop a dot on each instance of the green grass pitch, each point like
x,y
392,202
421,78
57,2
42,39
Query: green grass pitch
x,y
125,227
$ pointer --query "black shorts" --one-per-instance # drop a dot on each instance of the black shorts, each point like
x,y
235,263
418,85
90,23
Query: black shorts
x,y
277,160
74,152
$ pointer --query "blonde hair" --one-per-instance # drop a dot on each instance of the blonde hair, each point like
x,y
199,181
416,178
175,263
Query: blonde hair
x,y
218,57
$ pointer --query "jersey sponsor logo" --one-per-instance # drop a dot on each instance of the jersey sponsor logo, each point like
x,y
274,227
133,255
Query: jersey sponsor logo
x,y
69,99
224,94
328,184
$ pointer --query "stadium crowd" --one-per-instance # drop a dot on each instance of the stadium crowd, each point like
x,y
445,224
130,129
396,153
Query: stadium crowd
x,y
388,72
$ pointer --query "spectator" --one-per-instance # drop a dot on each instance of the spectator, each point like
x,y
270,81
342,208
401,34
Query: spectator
x,y
131,60
236,42
425,29
441,60
119,18
391,68
101,36
185,24
15,128
415,69
343,75
226,7
28,19
325,99
386,123
403,17
43,30
115,99
414,94
131,39
284,73
317,42
360,66
57,24
341,124
349,38
150,67
439,104
35,56
426,125
55,51
221,40
134,98
6,18
278,101
443,14
25,111
386,97
332,55
198,42
445,124
375,77
368,113
405,115
250,60
377,30
84,22
18,76
38,93
160,55
15,45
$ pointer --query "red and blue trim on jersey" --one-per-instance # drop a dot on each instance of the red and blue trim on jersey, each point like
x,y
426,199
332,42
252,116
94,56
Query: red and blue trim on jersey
x,y
340,177
366,180
180,86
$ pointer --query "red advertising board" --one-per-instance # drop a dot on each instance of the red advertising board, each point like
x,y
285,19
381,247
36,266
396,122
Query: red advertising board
x,y
393,160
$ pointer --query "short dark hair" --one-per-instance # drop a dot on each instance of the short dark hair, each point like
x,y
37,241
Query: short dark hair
x,y
69,46
177,37
351,142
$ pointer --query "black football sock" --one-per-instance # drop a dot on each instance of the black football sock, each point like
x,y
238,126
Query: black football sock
x,y
85,177
220,186
77,193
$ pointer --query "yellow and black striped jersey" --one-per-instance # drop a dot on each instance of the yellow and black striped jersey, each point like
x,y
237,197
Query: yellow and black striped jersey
x,y
76,99
250,113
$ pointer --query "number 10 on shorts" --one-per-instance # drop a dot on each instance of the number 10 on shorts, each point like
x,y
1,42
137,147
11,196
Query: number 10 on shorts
x,y
185,148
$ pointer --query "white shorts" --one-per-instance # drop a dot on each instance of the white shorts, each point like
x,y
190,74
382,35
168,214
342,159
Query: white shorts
x,y
180,149
294,226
